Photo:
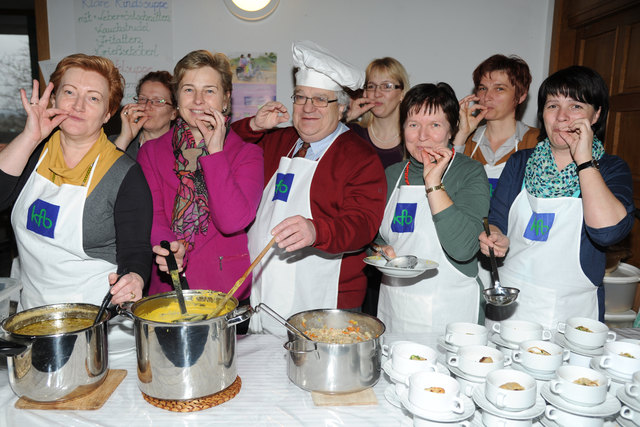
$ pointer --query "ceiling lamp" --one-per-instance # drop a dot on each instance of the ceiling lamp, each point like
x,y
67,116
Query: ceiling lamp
x,y
251,10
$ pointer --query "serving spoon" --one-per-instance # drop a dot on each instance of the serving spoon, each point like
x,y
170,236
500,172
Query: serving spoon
x,y
405,261
497,295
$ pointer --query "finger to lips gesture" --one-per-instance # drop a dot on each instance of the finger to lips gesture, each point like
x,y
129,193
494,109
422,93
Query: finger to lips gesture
x,y
358,107
269,116
133,118
213,129
435,161
295,232
469,123
579,138
41,120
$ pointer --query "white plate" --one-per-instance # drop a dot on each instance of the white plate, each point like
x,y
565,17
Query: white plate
x,y
630,401
121,336
535,411
623,422
542,376
546,422
563,342
595,364
472,378
398,377
403,273
610,406
477,420
391,396
445,345
467,405
498,340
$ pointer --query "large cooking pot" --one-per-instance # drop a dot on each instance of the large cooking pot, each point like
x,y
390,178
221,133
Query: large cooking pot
x,y
58,366
334,368
188,359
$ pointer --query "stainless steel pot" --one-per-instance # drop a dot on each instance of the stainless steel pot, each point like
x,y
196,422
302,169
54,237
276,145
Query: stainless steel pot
x,y
185,360
334,368
48,368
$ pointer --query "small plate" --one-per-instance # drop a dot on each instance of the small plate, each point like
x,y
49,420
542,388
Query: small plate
x,y
563,342
623,422
535,411
448,347
610,406
391,396
397,377
498,340
538,375
467,404
120,335
630,401
595,365
471,378
403,273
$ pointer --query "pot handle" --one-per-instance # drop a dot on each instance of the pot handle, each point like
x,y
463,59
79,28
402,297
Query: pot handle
x,y
240,315
125,310
288,346
10,348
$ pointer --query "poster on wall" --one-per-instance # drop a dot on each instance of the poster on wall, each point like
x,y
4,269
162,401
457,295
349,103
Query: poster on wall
x,y
137,35
254,82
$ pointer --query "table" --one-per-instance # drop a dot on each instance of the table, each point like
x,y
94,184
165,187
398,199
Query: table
x,y
267,397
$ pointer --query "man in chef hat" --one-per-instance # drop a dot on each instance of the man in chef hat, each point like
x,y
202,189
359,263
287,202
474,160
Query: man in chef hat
x,y
324,196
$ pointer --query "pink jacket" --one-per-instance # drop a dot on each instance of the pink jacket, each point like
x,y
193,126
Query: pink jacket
x,y
234,179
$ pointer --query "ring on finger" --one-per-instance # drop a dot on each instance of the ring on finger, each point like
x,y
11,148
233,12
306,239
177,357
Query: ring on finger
x,y
126,113
133,295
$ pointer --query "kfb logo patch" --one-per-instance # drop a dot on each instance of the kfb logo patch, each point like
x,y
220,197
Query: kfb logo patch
x,y
42,218
539,226
404,218
283,186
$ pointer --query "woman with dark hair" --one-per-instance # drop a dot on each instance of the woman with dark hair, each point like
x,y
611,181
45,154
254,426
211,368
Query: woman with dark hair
x,y
150,116
435,204
206,182
558,206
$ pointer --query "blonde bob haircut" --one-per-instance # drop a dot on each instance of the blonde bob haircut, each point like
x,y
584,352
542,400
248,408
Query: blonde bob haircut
x,y
203,58
395,70
100,65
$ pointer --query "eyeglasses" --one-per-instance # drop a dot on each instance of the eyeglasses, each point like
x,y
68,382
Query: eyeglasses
x,y
384,87
155,102
316,101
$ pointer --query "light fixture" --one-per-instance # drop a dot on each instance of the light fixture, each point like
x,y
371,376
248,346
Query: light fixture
x,y
251,10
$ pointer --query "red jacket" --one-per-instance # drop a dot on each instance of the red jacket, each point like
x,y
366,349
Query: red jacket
x,y
348,197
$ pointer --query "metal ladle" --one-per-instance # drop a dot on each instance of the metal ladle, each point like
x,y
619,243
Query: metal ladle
x,y
497,295
406,261
281,320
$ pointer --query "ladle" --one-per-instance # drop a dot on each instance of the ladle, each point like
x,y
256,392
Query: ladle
x,y
497,295
281,320
172,266
106,301
405,261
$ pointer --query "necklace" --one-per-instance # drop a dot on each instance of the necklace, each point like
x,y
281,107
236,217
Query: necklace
x,y
373,133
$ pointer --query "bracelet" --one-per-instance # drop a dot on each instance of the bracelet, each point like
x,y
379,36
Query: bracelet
x,y
436,188
590,164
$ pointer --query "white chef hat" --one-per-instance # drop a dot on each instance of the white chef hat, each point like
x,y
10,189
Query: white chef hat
x,y
319,68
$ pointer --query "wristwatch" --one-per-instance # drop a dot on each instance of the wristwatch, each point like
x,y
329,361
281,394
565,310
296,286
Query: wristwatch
x,y
590,164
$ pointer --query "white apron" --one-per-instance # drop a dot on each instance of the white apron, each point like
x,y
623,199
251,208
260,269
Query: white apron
x,y
289,282
47,222
436,297
544,261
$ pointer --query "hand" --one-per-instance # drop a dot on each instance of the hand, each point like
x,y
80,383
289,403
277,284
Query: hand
x,y
579,138
357,107
498,241
213,129
434,161
133,117
388,250
269,116
41,121
295,232
469,123
178,250
128,288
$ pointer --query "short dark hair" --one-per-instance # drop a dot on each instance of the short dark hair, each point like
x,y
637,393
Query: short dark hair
x,y
515,67
581,84
163,77
430,97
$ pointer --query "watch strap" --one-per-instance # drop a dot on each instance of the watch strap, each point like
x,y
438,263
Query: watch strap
x,y
590,164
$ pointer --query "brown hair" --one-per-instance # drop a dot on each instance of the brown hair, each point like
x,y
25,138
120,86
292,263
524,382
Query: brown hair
x,y
163,77
515,67
203,58
100,65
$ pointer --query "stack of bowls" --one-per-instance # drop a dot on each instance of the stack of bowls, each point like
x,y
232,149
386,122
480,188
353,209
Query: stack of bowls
x,y
629,395
584,337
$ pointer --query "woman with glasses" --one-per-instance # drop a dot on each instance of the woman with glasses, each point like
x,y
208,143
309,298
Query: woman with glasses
x,y
150,116
386,83
206,182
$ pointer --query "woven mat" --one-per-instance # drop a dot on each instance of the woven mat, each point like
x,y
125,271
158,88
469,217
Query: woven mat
x,y
198,404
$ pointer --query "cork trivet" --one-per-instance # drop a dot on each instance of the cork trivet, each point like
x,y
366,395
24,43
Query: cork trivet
x,y
363,397
198,404
89,402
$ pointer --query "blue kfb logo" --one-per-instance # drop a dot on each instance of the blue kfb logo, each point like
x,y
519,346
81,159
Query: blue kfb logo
x,y
492,184
42,218
283,186
539,226
404,218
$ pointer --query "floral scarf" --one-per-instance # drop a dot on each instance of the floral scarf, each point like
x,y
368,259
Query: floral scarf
x,y
190,210
543,179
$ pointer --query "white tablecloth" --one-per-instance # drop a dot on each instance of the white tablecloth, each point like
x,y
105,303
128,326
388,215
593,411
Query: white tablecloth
x,y
267,398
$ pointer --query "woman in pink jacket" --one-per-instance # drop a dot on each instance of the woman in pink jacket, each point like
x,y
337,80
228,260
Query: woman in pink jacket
x,y
206,182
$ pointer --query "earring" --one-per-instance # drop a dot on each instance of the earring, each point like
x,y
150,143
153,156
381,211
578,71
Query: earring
x,y
178,107
224,110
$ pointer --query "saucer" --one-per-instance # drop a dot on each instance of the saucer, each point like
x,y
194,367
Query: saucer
x,y
595,364
477,420
535,411
609,407
546,422
472,378
467,403
630,401
538,375
397,377
498,340
449,347
422,266
623,422
391,396
563,342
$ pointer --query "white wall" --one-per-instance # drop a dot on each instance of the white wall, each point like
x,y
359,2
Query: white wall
x,y
436,40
